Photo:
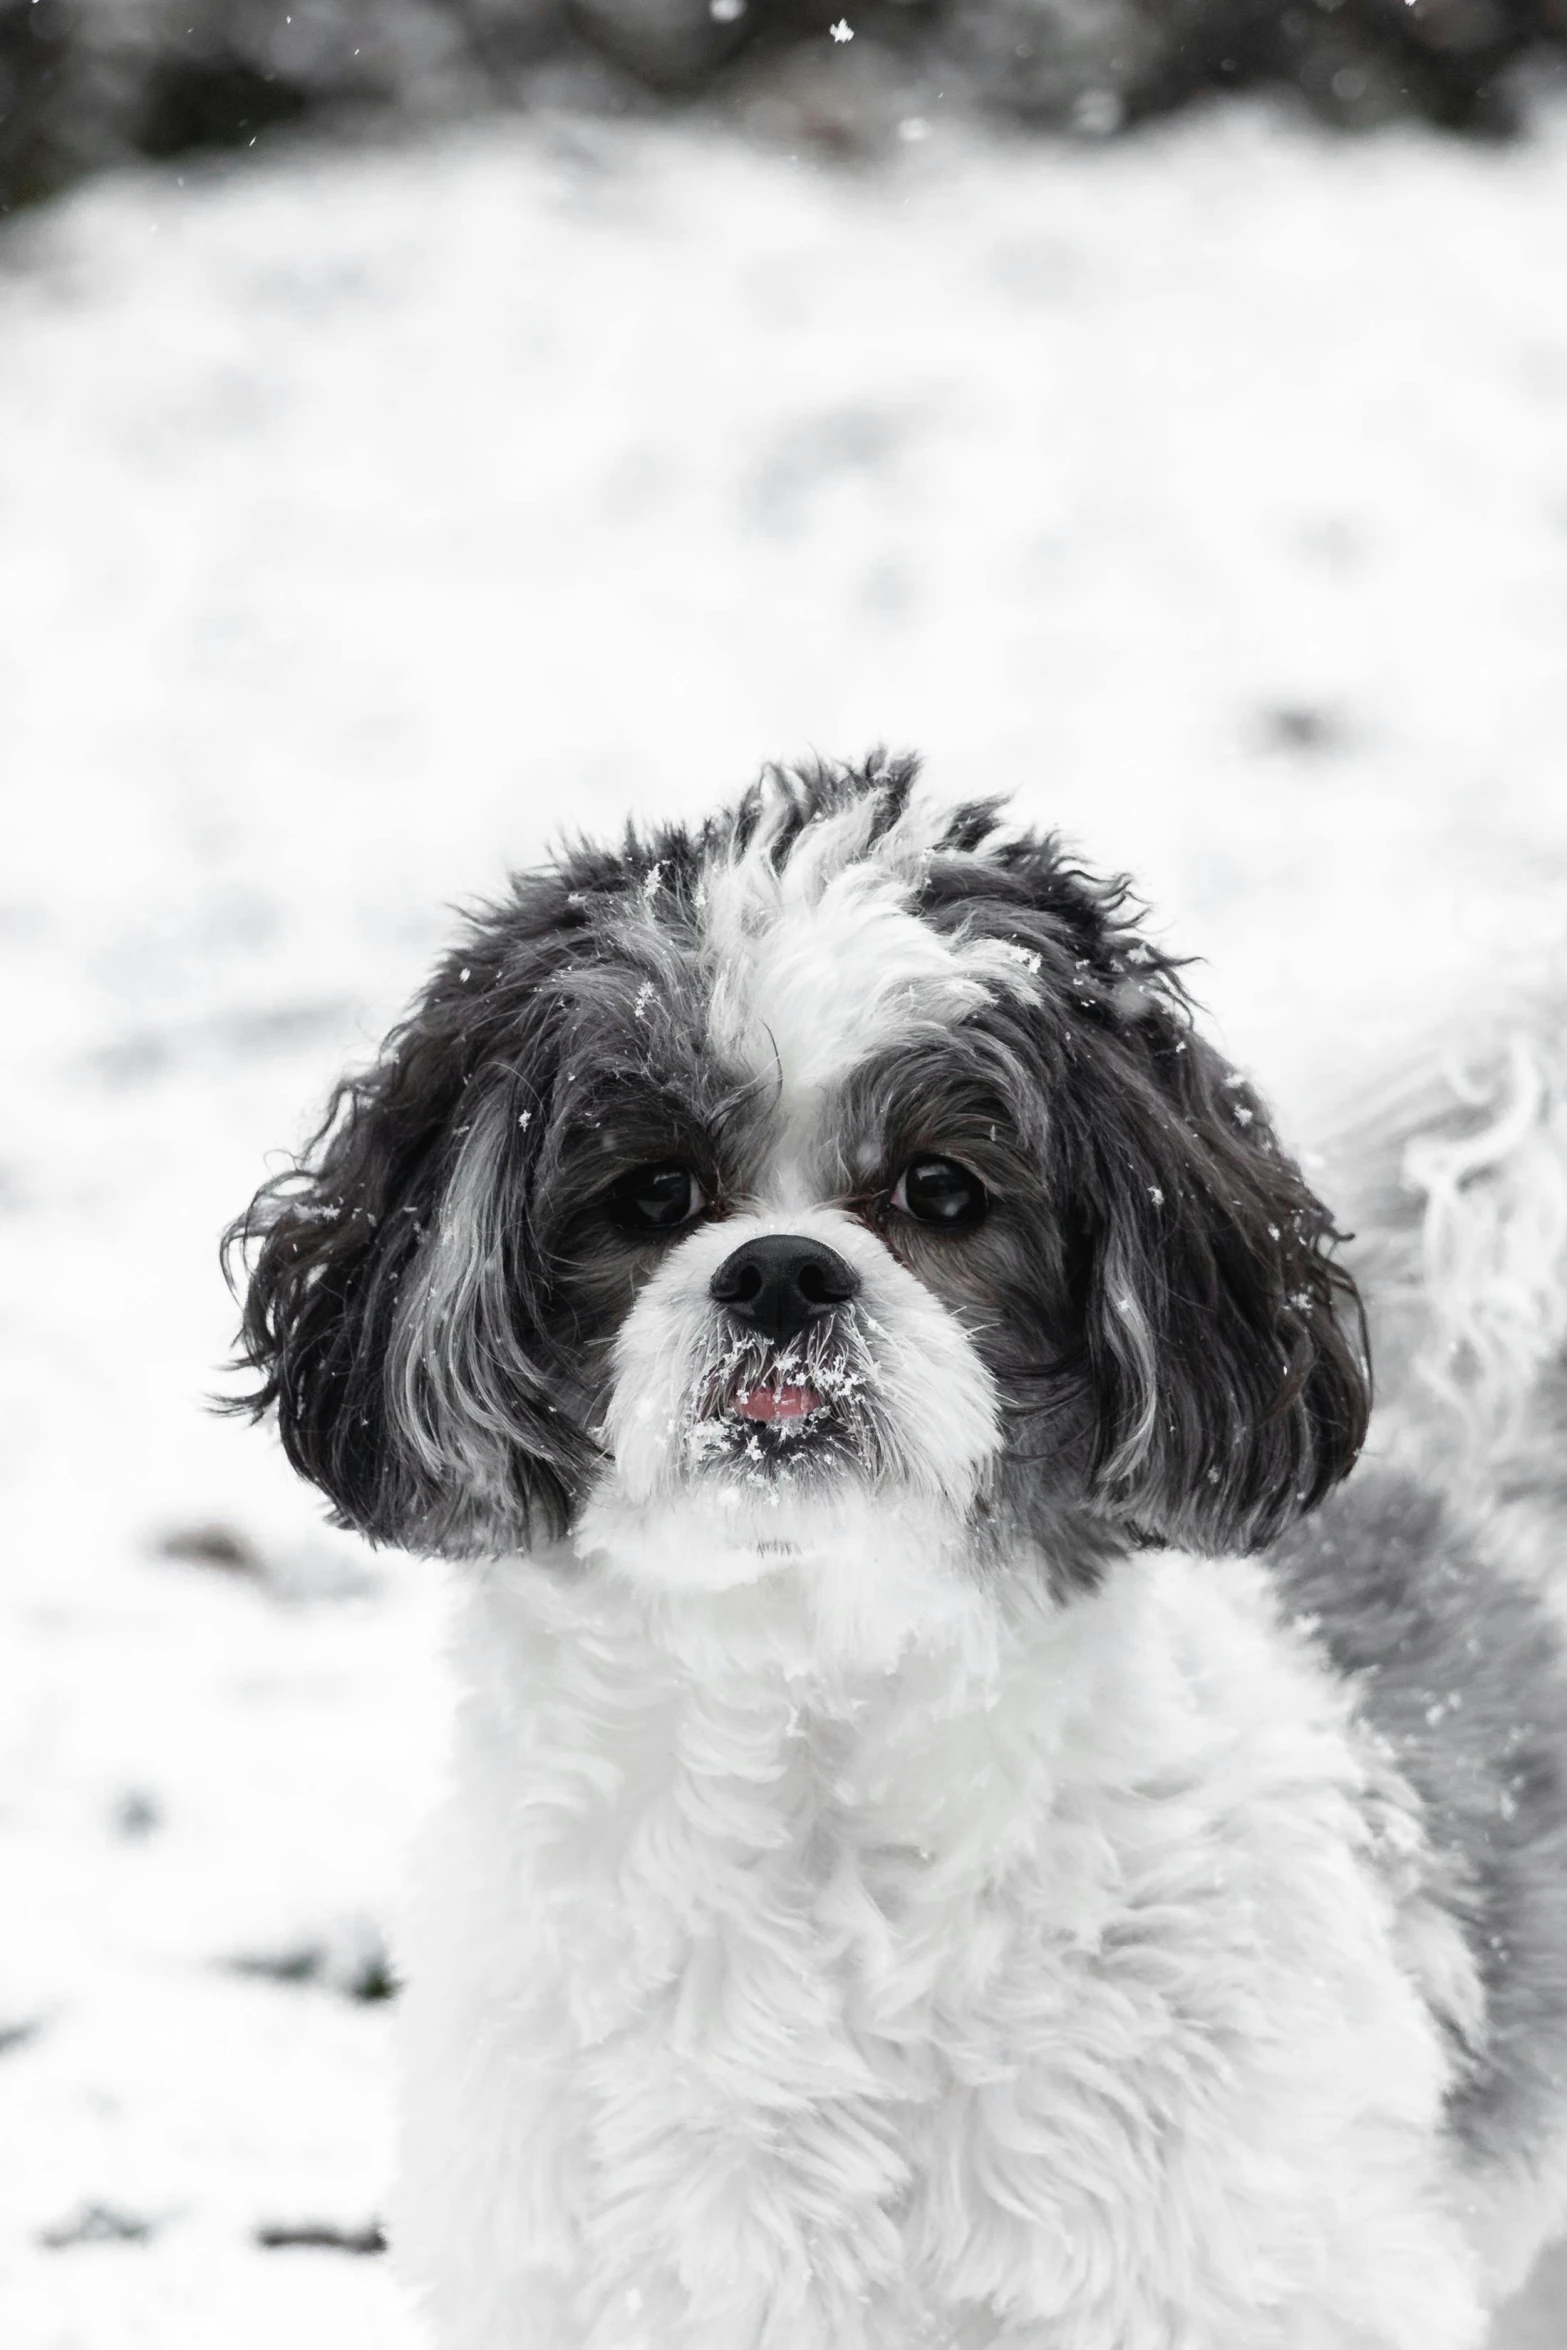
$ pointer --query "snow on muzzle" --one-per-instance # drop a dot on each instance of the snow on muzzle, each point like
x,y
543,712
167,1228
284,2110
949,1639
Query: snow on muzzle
x,y
795,1347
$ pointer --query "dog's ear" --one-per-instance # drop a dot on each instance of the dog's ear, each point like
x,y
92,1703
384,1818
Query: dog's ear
x,y
1223,1346
1226,1346
393,1312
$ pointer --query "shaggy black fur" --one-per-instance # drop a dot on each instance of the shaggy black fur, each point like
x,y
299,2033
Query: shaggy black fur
x,y
1219,1343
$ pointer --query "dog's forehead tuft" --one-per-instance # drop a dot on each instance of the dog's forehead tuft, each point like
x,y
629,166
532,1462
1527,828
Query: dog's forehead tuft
x,y
816,952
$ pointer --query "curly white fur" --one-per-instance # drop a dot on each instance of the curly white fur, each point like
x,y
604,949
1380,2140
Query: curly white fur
x,y
1045,1989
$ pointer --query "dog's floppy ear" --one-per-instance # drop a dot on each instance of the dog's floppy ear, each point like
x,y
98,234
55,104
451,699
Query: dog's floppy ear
x,y
1223,1348
393,1309
1226,1347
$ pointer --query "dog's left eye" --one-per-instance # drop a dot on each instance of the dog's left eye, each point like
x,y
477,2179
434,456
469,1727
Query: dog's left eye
x,y
656,1199
939,1191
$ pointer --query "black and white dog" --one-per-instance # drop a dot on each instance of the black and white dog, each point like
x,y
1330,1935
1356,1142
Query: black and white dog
x,y
943,1850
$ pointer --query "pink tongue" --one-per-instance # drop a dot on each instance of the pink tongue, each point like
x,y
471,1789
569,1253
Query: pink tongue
x,y
777,1403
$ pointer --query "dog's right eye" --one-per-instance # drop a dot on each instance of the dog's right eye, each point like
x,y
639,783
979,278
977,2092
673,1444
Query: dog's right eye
x,y
656,1199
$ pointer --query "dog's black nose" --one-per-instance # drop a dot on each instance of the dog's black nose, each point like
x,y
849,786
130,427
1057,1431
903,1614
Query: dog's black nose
x,y
781,1282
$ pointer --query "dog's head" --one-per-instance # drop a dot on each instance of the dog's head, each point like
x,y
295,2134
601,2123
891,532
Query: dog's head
x,y
840,1151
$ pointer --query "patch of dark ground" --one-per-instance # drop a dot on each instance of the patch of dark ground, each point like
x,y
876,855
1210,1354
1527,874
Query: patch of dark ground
x,y
108,2223
352,1962
320,2236
297,1576
99,2223
88,83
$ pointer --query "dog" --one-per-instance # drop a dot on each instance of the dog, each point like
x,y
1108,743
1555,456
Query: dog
x,y
968,1829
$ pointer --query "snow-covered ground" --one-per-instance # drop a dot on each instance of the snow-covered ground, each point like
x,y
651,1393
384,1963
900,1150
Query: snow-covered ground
x,y
365,519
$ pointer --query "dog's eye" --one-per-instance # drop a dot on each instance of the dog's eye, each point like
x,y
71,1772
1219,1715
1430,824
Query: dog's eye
x,y
656,1199
939,1191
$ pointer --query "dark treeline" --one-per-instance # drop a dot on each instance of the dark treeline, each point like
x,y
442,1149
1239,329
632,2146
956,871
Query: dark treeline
x,y
89,82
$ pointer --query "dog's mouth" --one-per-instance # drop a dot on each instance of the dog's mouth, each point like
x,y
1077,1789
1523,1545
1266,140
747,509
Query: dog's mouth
x,y
766,1404
799,1417
773,1406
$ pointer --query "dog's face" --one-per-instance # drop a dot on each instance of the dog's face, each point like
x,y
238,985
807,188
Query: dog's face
x,y
842,1162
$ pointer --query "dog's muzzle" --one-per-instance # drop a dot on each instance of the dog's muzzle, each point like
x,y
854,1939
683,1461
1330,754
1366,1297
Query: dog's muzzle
x,y
779,1289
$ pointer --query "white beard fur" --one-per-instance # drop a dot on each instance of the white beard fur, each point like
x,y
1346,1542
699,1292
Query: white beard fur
x,y
1061,1981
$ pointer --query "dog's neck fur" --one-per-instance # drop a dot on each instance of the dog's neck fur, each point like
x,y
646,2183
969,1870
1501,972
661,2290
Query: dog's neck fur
x,y
770,1954
855,1703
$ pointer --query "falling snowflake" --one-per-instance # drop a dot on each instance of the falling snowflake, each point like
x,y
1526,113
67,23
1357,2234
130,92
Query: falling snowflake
x,y
843,30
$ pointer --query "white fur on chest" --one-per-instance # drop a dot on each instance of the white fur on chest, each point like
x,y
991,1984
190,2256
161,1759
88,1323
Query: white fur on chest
x,y
1036,1991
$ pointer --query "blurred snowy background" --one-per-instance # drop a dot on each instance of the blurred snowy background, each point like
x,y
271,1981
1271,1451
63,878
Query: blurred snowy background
x,y
369,511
